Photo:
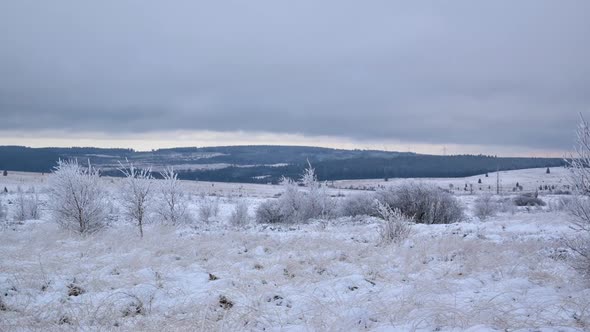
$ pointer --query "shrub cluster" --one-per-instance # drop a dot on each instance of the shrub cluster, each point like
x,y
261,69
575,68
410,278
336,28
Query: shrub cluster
x,y
298,205
528,200
424,203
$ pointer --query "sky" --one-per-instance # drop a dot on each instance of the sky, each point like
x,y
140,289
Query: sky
x,y
493,77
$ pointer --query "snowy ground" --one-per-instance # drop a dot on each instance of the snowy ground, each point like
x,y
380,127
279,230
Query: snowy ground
x,y
508,273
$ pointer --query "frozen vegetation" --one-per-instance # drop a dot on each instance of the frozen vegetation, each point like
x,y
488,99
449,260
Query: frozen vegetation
x,y
332,259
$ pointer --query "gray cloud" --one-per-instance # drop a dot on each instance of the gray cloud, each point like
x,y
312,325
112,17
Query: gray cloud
x,y
464,72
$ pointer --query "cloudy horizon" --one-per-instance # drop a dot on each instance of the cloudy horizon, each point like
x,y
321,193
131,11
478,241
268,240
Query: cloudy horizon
x,y
493,78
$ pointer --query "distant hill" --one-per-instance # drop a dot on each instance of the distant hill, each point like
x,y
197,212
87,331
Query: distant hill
x,y
268,163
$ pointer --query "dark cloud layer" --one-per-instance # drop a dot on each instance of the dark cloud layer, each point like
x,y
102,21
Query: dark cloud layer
x,y
463,72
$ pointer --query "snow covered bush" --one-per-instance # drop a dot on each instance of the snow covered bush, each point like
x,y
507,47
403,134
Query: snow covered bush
x,y
3,210
296,205
395,227
317,203
360,204
208,208
27,205
77,200
136,194
269,212
485,207
172,202
425,203
528,200
239,216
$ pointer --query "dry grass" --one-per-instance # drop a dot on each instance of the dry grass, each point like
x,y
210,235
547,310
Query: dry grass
x,y
332,278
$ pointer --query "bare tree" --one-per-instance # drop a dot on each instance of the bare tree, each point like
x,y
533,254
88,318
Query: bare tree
x,y
76,197
173,203
136,193
579,207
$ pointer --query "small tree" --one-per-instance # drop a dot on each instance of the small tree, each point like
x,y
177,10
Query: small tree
x,y
136,193
548,171
173,203
77,199
5,173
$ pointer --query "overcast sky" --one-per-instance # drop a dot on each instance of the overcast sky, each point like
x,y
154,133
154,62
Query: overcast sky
x,y
500,77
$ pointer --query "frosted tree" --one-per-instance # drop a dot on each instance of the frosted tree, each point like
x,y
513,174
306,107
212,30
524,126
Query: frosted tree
x,y
136,193
579,165
173,203
318,204
77,200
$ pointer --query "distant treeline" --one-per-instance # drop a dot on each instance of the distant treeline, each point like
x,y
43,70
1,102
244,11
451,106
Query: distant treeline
x,y
252,163
416,166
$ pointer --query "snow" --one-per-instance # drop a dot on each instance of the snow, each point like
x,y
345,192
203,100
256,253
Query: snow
x,y
511,272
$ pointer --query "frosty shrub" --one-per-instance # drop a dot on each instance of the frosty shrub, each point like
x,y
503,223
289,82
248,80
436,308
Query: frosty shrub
x,y
395,227
239,217
77,200
136,193
3,210
506,205
485,207
269,212
528,200
299,205
360,204
317,203
425,203
208,208
172,202
27,205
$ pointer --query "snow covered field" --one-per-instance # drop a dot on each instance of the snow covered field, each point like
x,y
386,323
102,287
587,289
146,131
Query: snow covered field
x,y
511,272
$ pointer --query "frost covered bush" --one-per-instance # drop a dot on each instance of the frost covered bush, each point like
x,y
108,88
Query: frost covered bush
x,y
296,205
239,216
3,210
485,207
361,204
136,194
425,203
208,208
395,227
506,205
27,205
77,200
528,200
317,203
172,202
269,212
